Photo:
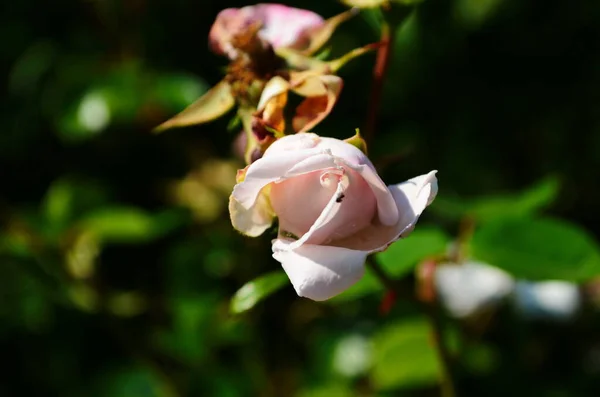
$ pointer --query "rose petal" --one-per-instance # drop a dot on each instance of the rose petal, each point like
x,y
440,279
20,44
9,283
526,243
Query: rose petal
x,y
350,209
280,26
286,26
279,166
411,197
387,209
320,272
254,220
289,200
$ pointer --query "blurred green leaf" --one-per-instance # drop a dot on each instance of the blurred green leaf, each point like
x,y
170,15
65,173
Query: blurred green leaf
x,y
475,12
480,358
57,204
27,72
538,248
329,390
131,225
407,2
133,382
177,90
534,199
404,356
213,104
403,255
256,290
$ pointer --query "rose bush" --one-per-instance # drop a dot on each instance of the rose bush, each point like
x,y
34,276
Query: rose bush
x,y
333,209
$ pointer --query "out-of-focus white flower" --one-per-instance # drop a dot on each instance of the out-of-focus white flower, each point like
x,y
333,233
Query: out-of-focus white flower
x,y
554,300
468,288
352,355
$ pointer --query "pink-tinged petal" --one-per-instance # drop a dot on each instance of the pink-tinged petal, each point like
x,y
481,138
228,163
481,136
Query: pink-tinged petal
x,y
294,142
350,209
299,201
286,26
411,198
320,272
251,221
278,167
229,23
279,26
387,209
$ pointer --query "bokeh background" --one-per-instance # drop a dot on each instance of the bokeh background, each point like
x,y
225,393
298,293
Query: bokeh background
x,y
118,261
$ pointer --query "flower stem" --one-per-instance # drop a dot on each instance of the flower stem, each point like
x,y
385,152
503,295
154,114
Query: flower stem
x,y
401,289
379,72
446,381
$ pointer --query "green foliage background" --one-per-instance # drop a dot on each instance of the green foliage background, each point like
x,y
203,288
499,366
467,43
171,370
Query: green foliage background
x,y
118,261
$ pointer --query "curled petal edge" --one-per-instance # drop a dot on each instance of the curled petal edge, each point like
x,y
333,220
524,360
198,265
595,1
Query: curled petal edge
x,y
255,220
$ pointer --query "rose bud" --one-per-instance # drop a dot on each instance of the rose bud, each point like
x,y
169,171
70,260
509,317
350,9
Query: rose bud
x,y
333,209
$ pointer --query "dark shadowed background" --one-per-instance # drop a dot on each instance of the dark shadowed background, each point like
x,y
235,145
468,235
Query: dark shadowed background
x,y
117,257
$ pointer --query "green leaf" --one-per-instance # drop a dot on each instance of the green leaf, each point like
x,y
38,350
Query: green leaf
x,y
404,356
256,290
532,200
215,103
130,225
403,255
58,201
538,249
177,90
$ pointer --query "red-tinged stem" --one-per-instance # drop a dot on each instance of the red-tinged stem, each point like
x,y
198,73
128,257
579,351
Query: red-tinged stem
x,y
382,63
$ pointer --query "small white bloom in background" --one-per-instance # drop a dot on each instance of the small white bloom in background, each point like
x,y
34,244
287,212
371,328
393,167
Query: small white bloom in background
x,y
468,288
352,356
552,300
332,206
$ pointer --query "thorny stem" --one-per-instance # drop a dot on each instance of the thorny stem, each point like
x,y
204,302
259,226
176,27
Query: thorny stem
x,y
379,72
433,314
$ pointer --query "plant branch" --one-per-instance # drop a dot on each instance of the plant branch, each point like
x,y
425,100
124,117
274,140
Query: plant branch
x,y
401,289
446,381
382,62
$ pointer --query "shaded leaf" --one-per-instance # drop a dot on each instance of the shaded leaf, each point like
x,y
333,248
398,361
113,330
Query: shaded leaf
x,y
403,255
538,249
404,356
489,208
256,290
215,103
129,224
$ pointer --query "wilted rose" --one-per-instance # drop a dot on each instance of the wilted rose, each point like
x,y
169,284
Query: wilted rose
x,y
276,25
333,209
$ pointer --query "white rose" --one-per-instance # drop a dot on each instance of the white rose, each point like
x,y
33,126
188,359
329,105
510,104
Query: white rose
x,y
333,210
